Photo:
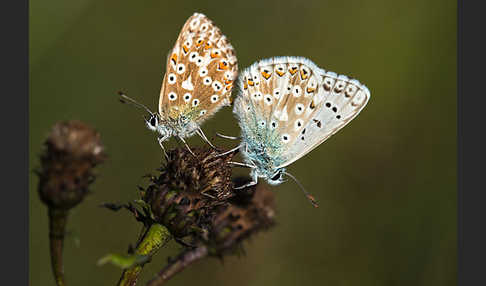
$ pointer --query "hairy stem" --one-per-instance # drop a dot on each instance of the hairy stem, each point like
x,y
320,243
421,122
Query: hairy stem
x,y
179,264
153,239
57,228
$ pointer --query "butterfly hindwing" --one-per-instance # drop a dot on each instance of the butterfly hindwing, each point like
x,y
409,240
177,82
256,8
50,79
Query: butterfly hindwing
x,y
291,105
200,72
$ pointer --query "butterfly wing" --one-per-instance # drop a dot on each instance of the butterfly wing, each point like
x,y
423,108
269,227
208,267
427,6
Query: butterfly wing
x,y
200,72
301,105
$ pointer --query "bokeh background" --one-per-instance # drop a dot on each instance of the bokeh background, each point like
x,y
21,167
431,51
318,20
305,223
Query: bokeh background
x,y
386,183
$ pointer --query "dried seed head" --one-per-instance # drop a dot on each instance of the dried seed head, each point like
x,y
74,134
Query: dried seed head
x,y
188,187
72,150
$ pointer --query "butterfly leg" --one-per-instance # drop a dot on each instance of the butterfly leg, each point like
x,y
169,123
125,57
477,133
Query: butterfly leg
x,y
162,139
203,136
187,146
227,137
249,184
229,151
242,164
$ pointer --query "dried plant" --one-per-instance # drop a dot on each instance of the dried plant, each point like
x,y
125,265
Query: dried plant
x,y
72,150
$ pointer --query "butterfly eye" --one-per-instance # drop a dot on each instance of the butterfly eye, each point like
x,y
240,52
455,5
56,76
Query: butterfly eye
x,y
187,97
277,176
195,102
153,121
214,98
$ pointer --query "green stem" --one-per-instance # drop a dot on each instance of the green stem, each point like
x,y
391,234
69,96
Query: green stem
x,y
57,228
155,237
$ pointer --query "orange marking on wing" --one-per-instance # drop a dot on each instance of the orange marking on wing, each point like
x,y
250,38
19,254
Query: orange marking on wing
x,y
309,90
186,49
280,73
228,87
214,55
293,70
174,58
245,86
312,105
199,43
208,46
266,75
223,65
250,82
303,75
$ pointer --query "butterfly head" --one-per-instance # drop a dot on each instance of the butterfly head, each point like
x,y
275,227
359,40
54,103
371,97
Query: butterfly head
x,y
273,177
277,177
153,123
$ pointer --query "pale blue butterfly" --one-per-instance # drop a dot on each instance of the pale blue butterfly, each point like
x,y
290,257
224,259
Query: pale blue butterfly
x,y
286,107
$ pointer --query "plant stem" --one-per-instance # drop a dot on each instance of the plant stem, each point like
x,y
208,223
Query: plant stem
x,y
179,264
57,228
154,238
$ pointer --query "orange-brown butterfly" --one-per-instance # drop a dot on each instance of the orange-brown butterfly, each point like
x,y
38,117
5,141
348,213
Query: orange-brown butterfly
x,y
198,81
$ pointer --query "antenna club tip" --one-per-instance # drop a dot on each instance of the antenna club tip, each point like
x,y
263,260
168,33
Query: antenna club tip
x,y
312,201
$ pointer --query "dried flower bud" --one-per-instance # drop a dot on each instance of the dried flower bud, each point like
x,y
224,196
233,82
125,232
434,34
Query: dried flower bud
x,y
188,187
72,150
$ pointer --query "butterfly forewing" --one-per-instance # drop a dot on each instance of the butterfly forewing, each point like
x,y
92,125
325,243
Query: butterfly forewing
x,y
292,105
200,72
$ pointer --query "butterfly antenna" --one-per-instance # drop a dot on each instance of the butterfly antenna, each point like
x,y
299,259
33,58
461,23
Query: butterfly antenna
x,y
307,195
126,99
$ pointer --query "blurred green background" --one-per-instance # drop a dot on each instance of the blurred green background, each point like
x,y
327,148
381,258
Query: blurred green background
x,y
386,183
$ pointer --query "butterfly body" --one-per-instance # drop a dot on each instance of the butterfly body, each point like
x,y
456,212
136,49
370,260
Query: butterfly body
x,y
262,149
286,107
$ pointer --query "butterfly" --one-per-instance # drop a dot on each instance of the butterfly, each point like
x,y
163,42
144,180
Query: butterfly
x,y
286,107
199,77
